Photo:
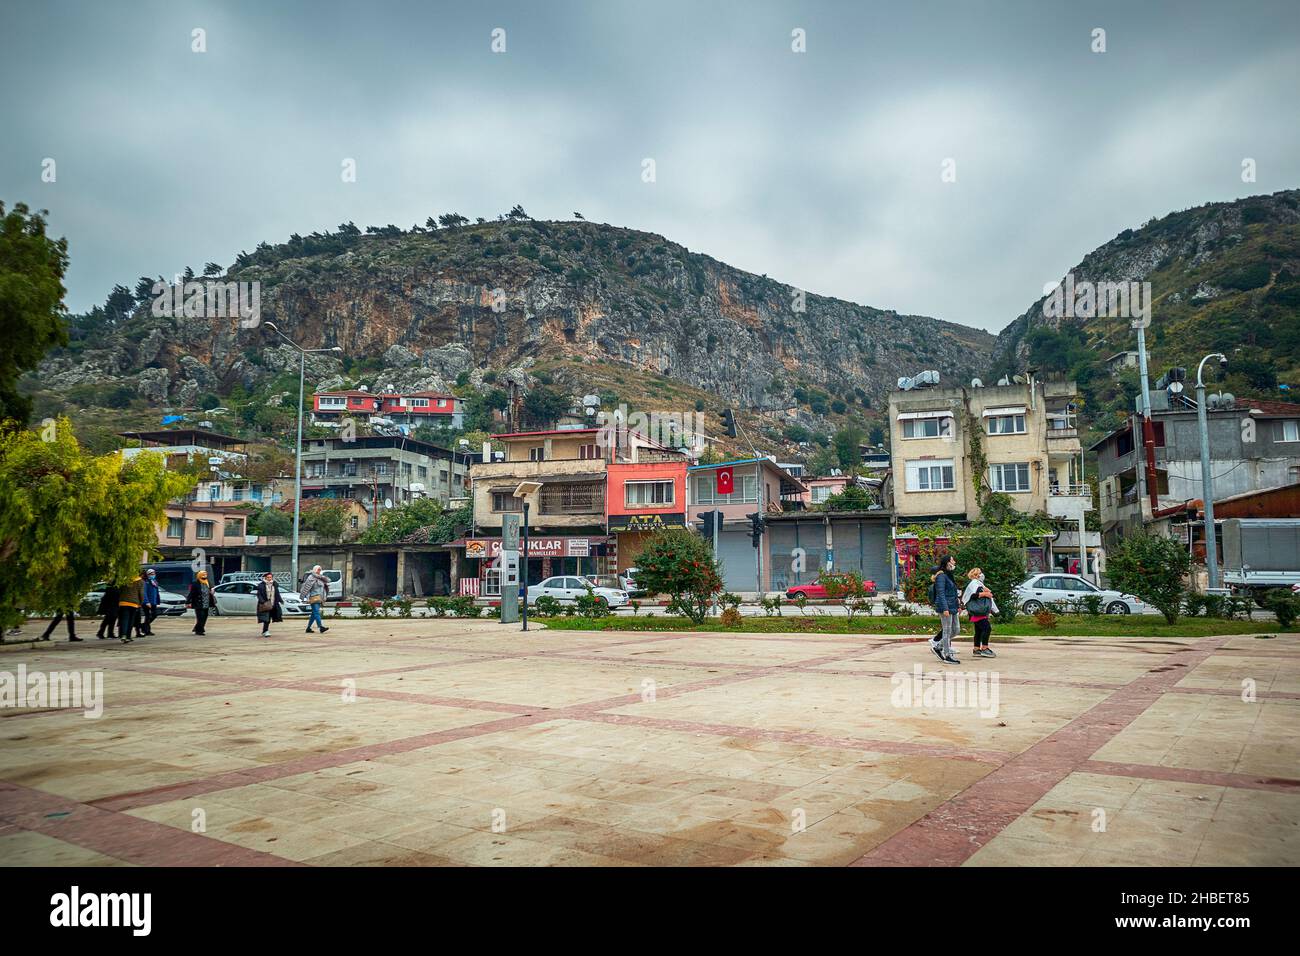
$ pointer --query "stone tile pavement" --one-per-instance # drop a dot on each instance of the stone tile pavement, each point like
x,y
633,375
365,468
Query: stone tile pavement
x,y
437,742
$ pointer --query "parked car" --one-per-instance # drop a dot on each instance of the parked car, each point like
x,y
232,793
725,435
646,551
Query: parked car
x,y
627,581
172,604
335,579
240,597
817,590
568,588
1040,589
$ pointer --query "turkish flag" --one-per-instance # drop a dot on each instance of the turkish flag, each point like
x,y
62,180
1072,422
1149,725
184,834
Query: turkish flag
x,y
726,483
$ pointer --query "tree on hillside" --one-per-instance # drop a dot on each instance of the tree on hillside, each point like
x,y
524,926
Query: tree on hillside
x,y
31,302
847,443
517,213
212,269
451,220
55,500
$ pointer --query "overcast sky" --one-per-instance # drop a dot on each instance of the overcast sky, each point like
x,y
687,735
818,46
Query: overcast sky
x,y
821,169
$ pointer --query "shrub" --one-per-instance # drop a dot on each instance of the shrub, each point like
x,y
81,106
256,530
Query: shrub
x,y
849,589
368,608
1003,566
1046,619
1092,604
1285,607
731,617
636,606
462,605
771,605
681,565
546,606
893,606
1153,569
1193,603
729,599
801,602
593,605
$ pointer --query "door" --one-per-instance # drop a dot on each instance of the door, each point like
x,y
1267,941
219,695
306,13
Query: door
x,y
738,558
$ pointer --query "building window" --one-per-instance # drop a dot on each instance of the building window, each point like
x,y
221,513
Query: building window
x,y
505,501
203,529
238,494
214,492
1010,477
821,492
174,527
935,475
234,527
588,451
537,454
639,494
352,522
705,490
422,472
939,427
380,468
584,498
1006,424
1288,430
349,469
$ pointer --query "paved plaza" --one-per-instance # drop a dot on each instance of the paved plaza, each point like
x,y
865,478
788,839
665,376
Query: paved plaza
x,y
444,742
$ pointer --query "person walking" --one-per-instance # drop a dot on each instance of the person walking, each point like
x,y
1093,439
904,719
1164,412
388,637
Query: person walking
x,y
314,588
202,599
268,603
128,613
979,604
152,597
108,612
71,617
945,602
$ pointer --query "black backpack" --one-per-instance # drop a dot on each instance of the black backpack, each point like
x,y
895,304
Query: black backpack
x,y
934,583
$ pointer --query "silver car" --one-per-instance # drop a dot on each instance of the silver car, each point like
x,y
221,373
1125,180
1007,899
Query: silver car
x,y
240,597
1056,588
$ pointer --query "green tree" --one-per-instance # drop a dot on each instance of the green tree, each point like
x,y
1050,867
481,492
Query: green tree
x,y
1002,561
271,522
681,565
69,519
398,524
852,498
1152,568
326,518
543,405
31,302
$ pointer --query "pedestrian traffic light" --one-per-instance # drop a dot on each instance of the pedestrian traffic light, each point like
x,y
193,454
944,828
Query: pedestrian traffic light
x,y
729,421
757,527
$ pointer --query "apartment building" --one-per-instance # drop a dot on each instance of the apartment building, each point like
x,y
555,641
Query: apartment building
x,y
1022,440
181,445
1254,446
378,470
405,408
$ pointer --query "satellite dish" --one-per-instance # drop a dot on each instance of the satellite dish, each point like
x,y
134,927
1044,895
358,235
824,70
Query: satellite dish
x,y
1175,388
388,502
976,383
1018,379
590,401
1004,380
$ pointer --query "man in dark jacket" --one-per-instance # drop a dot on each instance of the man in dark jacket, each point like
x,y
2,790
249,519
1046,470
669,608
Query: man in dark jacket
x,y
152,595
69,616
946,603
108,612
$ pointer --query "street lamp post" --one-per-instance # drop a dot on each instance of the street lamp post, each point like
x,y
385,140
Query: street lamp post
x,y
297,458
1207,479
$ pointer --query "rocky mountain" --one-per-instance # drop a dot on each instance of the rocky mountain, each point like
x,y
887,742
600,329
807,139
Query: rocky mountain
x,y
1225,277
582,303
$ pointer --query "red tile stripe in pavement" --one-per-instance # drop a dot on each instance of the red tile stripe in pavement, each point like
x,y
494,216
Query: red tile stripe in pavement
x,y
127,838
1213,778
952,832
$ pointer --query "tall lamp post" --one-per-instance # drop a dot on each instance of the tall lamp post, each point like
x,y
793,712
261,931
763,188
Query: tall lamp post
x,y
1207,479
297,459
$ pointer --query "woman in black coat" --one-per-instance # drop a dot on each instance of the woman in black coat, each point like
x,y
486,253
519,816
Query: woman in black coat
x,y
202,600
268,603
108,612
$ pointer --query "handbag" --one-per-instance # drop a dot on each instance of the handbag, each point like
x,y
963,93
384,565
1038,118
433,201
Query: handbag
x,y
979,607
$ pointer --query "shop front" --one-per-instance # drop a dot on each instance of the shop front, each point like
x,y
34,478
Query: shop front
x,y
548,555
631,532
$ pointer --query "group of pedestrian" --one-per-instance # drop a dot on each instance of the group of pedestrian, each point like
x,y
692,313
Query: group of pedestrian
x,y
976,599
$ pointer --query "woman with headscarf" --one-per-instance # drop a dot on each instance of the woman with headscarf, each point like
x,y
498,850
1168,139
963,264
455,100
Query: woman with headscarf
x,y
201,599
268,603
128,615
108,609
978,601
315,586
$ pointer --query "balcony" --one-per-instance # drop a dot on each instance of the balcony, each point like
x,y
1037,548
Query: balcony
x,y
1069,502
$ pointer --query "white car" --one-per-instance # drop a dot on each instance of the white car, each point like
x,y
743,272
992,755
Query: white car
x,y
1041,589
568,588
240,597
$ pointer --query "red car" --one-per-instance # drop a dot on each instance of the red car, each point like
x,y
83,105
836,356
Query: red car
x,y
817,591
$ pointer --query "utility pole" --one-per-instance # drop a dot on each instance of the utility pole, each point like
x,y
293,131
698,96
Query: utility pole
x,y
1207,478
1148,429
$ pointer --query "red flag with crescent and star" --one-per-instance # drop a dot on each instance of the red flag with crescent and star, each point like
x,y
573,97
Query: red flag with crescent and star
x,y
726,482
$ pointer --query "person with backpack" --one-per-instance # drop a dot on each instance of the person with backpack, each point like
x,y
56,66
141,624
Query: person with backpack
x,y
269,603
943,595
979,604
315,586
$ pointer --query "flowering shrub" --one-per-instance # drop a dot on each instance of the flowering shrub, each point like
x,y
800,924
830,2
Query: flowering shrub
x,y
681,565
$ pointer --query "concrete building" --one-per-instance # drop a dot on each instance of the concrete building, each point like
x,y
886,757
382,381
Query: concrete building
x,y
759,484
1254,446
376,470
1025,435
404,408
181,445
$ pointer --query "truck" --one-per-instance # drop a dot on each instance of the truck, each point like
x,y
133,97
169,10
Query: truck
x,y
1260,554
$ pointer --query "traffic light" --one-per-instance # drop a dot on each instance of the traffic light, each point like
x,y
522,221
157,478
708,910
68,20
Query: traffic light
x,y
710,521
729,421
757,527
